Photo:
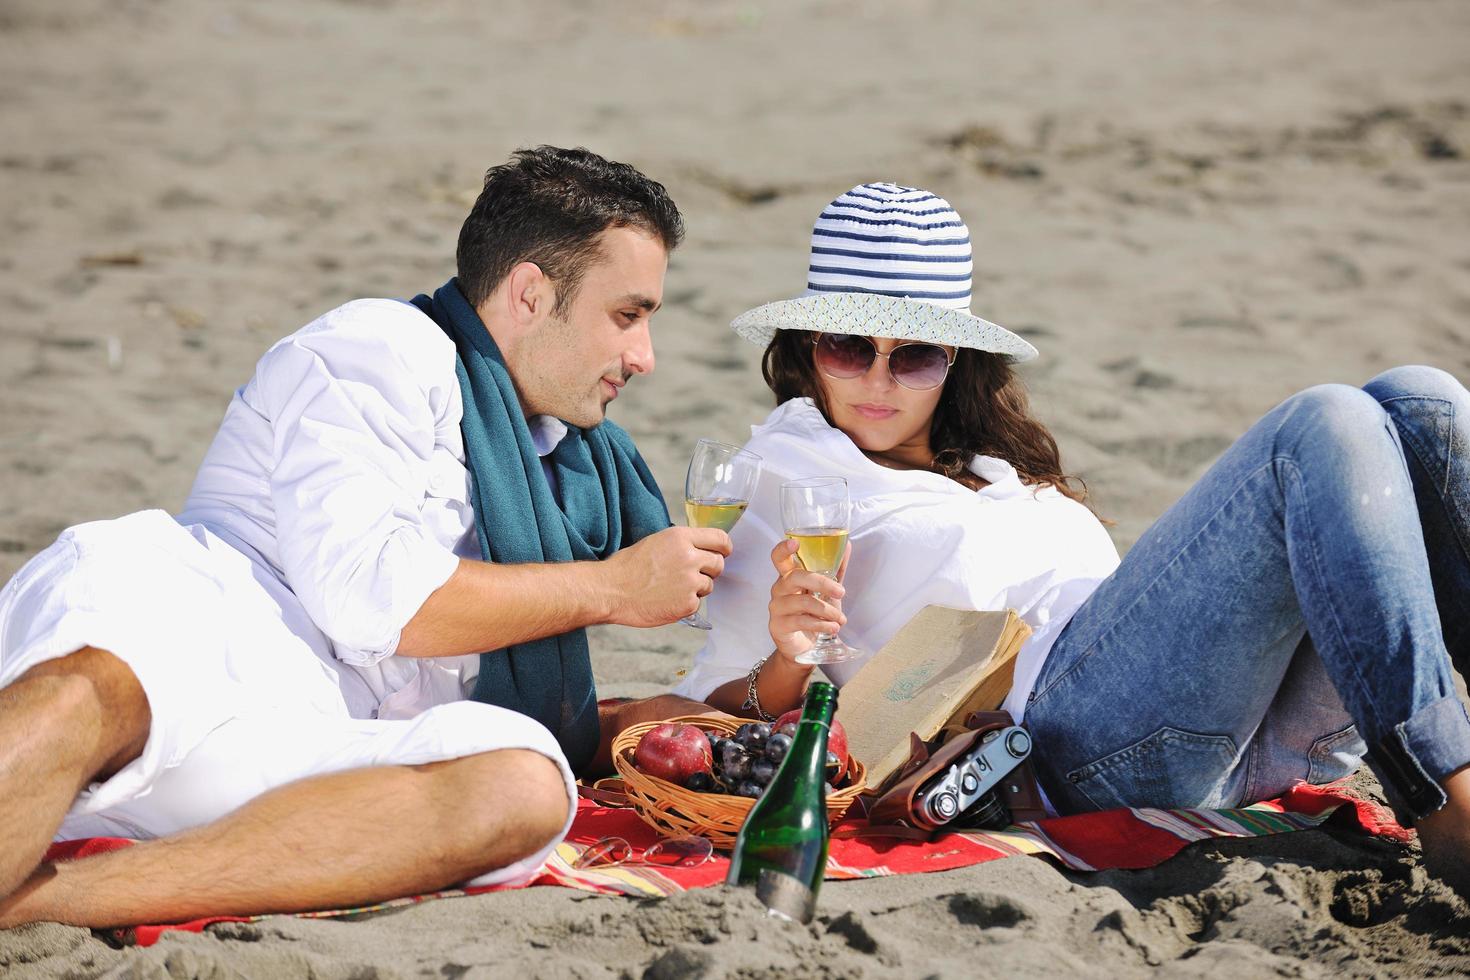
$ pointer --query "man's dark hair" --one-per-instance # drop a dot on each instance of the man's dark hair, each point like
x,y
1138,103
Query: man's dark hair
x,y
549,206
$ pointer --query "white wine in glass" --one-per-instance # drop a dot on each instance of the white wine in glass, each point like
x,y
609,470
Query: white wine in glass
x,y
714,513
819,549
816,514
717,490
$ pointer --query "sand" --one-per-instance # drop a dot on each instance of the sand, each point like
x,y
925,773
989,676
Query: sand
x,y
1192,209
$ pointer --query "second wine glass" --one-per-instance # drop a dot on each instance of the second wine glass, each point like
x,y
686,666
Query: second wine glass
x,y
717,490
817,515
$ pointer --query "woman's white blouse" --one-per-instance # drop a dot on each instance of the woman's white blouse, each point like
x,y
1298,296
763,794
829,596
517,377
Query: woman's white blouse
x,y
339,470
918,539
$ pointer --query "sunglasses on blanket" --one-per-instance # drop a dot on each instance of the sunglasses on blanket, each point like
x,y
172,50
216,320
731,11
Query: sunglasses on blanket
x,y
916,366
675,852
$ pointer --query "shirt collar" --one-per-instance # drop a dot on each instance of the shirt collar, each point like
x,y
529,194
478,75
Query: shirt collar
x,y
1001,476
547,431
801,416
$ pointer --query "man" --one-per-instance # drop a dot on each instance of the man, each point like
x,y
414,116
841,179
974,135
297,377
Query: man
x,y
408,504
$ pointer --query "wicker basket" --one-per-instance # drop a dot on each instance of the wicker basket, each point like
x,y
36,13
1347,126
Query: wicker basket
x,y
673,810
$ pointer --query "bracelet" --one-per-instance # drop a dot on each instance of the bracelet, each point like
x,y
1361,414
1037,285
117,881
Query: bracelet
x,y
752,700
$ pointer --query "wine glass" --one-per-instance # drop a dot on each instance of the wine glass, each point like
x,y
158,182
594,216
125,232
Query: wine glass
x,y
717,489
816,516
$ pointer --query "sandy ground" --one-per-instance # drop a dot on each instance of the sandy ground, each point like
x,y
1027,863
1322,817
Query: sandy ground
x,y
1193,209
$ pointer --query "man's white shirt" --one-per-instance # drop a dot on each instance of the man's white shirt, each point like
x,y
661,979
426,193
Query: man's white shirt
x,y
339,471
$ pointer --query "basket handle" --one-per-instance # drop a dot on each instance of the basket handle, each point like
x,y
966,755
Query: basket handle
x,y
608,791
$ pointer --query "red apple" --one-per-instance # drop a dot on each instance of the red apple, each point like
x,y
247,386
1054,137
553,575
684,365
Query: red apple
x,y
673,752
836,739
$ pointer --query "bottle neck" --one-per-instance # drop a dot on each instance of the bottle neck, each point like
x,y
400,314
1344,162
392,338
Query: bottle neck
x,y
810,741
819,706
821,702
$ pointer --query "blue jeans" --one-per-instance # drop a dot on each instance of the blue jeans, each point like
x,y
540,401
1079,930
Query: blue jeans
x,y
1295,613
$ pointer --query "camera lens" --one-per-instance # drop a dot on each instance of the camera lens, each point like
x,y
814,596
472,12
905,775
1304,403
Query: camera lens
x,y
988,813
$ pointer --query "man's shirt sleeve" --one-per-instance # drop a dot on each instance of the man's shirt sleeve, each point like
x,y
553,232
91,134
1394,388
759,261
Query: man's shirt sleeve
x,y
354,407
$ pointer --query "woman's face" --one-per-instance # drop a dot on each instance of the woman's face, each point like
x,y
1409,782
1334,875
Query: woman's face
x,y
878,414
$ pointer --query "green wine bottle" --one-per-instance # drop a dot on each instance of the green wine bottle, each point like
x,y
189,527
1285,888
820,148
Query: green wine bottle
x,y
782,847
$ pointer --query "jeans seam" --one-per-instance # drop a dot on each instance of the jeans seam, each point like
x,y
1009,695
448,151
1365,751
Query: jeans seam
x,y
1249,755
1096,805
1153,583
1328,740
1406,436
1315,564
1440,486
1128,755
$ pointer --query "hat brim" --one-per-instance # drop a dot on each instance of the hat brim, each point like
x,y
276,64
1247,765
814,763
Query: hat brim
x,y
877,315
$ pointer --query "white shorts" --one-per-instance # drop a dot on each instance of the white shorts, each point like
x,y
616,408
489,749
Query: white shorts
x,y
241,703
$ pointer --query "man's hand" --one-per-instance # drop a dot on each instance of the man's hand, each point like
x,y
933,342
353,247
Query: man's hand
x,y
485,606
661,578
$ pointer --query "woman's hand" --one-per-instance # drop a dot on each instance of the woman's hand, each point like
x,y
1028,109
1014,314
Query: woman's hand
x,y
797,615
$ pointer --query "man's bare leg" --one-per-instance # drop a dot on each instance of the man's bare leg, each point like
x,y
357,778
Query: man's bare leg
x,y
63,723
335,841
1445,835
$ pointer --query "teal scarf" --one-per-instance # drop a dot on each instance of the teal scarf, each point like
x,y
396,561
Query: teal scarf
x,y
608,501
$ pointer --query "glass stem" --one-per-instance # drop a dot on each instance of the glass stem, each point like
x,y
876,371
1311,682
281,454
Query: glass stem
x,y
824,640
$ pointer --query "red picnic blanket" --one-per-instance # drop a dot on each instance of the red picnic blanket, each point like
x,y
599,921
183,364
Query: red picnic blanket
x,y
1124,838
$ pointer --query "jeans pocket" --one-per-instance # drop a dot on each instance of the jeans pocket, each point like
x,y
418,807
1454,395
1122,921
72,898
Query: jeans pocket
x,y
1170,768
1334,756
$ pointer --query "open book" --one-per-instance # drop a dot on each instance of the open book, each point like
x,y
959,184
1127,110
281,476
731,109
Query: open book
x,y
942,665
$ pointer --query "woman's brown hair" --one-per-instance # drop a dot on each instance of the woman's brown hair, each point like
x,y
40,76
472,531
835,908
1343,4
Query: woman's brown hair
x,y
983,410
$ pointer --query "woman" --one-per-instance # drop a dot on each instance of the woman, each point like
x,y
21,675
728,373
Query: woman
x,y
1295,613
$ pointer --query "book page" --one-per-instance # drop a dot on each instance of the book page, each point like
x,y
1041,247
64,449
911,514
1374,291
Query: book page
x,y
941,661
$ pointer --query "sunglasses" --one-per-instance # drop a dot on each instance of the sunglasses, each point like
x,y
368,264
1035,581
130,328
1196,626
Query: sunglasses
x,y
916,366
675,852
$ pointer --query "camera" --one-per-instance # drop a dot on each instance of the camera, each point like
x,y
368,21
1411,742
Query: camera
x,y
976,776
966,793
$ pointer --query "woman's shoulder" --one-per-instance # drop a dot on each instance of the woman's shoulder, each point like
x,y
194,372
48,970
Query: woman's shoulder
x,y
1005,484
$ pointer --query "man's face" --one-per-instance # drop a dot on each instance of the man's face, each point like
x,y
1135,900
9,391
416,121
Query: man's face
x,y
577,361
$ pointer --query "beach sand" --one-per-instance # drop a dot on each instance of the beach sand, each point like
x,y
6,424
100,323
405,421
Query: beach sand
x,y
1193,209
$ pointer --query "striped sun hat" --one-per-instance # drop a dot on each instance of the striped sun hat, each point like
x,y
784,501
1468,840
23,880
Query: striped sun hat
x,y
887,261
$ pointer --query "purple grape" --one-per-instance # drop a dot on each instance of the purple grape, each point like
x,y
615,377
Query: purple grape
x,y
750,789
761,771
735,764
777,746
753,736
700,782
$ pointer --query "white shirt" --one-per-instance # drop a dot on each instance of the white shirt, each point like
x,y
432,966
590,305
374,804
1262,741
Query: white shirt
x,y
918,538
339,470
